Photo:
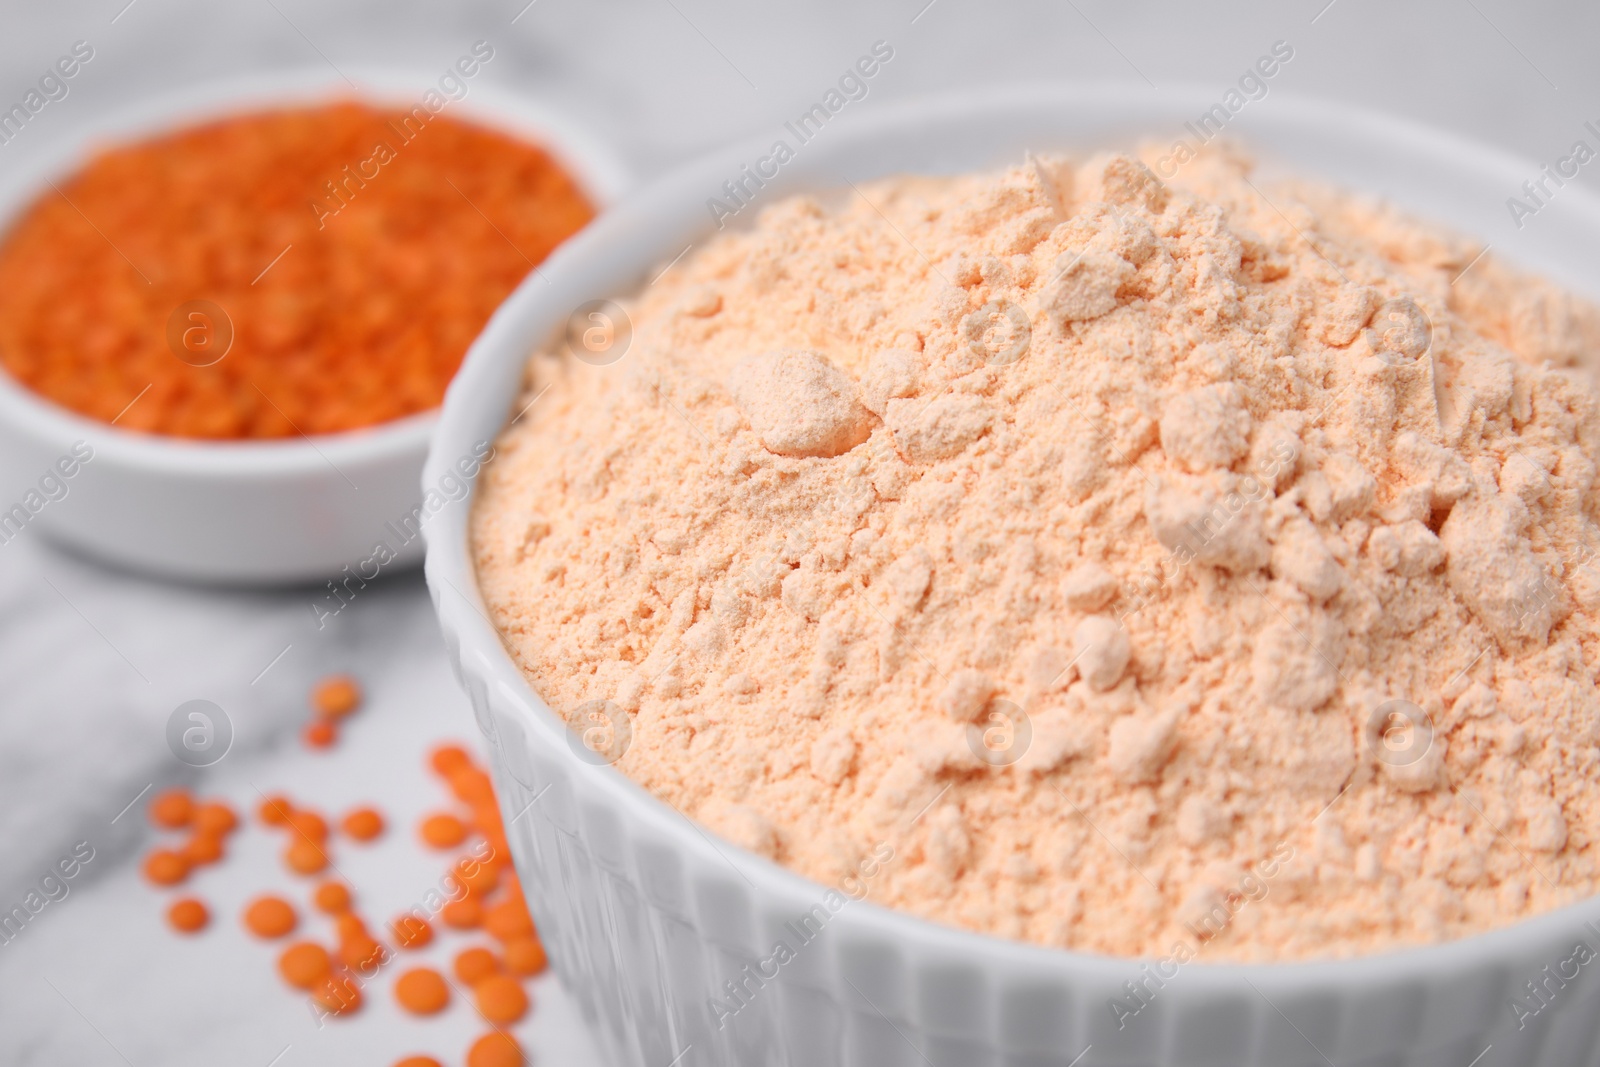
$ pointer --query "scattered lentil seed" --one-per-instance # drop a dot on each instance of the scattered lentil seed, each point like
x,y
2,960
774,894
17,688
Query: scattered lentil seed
x,y
501,998
422,991
172,809
332,898
496,1049
304,964
165,867
320,734
338,993
442,830
188,915
525,956
463,914
304,856
215,817
269,917
363,824
336,696
411,931
475,964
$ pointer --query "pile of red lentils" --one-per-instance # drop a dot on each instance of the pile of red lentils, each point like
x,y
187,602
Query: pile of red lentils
x,y
480,888
297,296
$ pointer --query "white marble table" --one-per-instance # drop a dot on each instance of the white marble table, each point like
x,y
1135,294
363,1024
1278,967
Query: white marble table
x,y
92,661
97,977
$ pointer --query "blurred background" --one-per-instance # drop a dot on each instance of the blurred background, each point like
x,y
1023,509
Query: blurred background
x,y
93,661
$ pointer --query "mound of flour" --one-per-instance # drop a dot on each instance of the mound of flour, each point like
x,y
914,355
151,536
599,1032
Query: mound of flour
x,y
1142,564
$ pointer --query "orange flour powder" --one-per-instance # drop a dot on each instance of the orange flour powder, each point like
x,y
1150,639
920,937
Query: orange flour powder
x,y
1141,563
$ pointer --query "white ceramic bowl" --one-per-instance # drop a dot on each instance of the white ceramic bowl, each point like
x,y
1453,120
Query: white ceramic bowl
x,y
256,511
647,918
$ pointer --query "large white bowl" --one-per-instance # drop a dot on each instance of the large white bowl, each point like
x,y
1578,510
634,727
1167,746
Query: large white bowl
x,y
647,918
245,512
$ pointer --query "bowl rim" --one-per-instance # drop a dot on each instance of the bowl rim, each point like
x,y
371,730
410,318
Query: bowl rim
x,y
476,648
597,169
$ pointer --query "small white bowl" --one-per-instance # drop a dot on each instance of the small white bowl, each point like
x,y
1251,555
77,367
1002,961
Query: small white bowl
x,y
245,512
649,922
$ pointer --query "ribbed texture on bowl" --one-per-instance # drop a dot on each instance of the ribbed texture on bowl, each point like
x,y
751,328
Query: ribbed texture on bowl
x,y
647,918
